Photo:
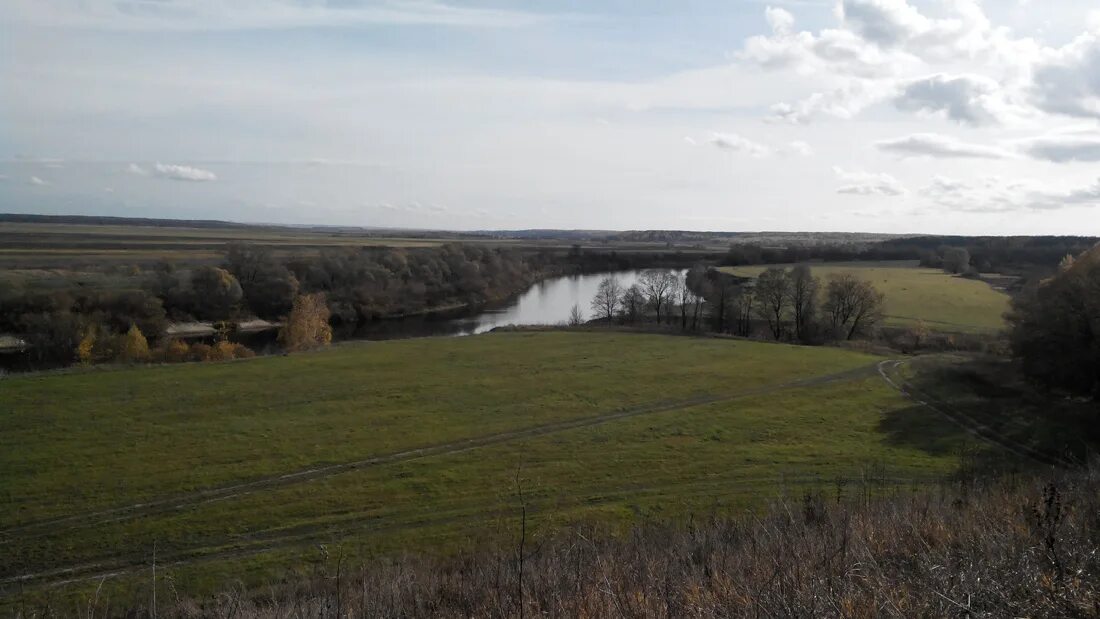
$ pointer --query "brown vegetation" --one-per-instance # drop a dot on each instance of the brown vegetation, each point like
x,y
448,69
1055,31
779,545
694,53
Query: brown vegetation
x,y
307,326
1019,549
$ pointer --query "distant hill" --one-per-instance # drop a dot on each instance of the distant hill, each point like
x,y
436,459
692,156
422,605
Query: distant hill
x,y
94,220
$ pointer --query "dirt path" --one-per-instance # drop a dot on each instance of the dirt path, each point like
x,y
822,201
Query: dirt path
x,y
181,502
305,535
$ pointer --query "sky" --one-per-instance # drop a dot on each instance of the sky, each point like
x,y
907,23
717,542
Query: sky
x,y
902,116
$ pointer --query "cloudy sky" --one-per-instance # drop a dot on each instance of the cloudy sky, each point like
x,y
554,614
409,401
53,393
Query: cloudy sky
x,y
948,116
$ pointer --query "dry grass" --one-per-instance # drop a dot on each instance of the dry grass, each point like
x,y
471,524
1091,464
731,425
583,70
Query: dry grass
x,y
1012,548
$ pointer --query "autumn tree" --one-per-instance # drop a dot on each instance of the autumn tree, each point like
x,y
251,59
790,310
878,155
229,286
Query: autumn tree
x,y
606,302
773,292
853,305
132,346
85,349
307,325
1055,328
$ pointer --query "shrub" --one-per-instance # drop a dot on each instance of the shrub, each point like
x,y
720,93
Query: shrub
x,y
175,351
201,352
240,351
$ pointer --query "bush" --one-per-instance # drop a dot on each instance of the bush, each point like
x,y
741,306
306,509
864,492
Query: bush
x,y
201,352
175,351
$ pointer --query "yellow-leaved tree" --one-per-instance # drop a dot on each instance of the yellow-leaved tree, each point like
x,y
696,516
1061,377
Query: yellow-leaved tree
x,y
85,349
307,325
132,346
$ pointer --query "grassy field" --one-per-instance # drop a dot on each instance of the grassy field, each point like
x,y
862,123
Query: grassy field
x,y
238,470
943,301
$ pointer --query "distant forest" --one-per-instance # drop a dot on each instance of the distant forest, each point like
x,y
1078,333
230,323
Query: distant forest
x,y
1007,254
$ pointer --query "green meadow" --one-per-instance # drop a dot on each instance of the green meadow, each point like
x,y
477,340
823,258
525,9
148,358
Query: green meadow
x,y
944,302
241,469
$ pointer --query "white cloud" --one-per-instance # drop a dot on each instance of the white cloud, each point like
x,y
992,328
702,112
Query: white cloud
x,y
969,99
868,183
935,145
959,66
887,23
994,194
182,172
34,180
843,102
739,144
1067,80
800,148
136,170
1064,146
780,20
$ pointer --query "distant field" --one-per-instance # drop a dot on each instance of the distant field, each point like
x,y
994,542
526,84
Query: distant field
x,y
63,245
242,468
60,245
942,301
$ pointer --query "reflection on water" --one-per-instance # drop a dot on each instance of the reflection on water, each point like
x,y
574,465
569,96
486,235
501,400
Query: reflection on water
x,y
546,303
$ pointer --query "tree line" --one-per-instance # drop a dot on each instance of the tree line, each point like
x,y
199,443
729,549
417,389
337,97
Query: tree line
x,y
986,254
790,304
354,285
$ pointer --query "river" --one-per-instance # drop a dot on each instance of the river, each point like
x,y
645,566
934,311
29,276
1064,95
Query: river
x,y
548,302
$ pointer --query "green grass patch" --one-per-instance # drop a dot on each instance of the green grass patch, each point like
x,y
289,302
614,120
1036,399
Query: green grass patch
x,y
89,440
944,302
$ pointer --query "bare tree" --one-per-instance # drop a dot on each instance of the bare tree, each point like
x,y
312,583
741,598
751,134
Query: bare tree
x,y
689,303
853,305
773,293
632,302
675,292
719,294
576,316
607,299
741,311
657,285
803,289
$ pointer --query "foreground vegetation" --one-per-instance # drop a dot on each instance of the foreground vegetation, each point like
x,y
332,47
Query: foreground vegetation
x,y
1011,548
243,467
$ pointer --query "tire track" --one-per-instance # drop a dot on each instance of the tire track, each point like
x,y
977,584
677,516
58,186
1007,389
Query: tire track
x,y
261,542
966,422
181,502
